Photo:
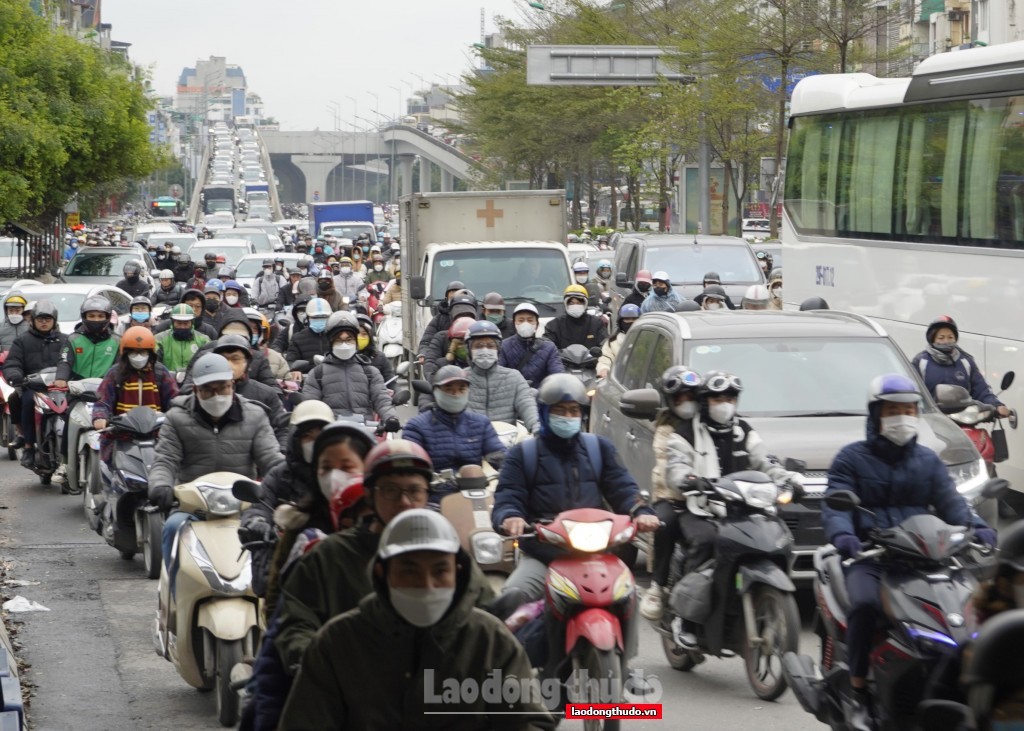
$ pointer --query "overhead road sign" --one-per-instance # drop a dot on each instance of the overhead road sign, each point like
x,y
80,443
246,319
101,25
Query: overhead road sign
x,y
601,66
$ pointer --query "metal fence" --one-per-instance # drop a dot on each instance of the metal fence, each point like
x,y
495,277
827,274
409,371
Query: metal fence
x,y
34,252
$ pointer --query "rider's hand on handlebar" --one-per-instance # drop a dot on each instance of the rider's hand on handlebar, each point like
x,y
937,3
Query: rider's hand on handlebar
x,y
60,384
162,496
513,526
392,424
848,545
986,536
1003,411
647,523
99,424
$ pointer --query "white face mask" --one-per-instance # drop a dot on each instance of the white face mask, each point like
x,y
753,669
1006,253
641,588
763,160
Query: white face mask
x,y
777,293
899,429
231,299
15,319
581,278
344,350
345,270
526,329
421,607
268,273
722,413
576,310
485,359
139,360
334,480
713,306
685,410
216,406
307,452
378,267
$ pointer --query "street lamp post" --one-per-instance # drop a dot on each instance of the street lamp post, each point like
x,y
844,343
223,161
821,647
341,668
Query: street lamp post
x,y
366,150
392,178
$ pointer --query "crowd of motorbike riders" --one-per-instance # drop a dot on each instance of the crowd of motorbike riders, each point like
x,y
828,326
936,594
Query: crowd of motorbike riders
x,y
339,499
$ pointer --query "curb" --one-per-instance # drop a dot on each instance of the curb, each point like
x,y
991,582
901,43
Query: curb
x,y
12,711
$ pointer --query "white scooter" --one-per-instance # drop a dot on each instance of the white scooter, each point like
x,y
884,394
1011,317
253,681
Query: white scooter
x,y
389,333
80,456
210,621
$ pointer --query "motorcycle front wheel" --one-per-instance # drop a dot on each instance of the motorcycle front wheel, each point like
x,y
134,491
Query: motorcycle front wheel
x,y
777,623
602,683
8,435
229,654
151,530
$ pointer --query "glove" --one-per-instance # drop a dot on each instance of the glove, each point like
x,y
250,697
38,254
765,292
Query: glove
x,y
986,536
847,544
162,496
256,530
392,424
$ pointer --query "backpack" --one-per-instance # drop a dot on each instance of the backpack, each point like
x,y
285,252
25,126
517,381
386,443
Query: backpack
x,y
590,442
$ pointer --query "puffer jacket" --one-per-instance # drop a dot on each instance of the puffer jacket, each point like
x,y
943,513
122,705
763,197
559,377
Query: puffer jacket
x,y
349,387
467,644
608,353
502,394
306,344
191,445
9,333
957,369
563,478
169,297
349,285
138,287
440,322
589,331
270,399
32,352
453,440
892,482
543,361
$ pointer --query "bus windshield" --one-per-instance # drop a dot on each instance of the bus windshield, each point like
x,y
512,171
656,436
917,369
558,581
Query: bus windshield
x,y
536,275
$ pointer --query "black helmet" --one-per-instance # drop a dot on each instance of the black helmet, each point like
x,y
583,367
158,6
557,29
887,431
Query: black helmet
x,y
132,268
813,303
140,300
452,286
210,256
677,379
995,670
268,262
943,321
96,303
712,278
719,382
45,308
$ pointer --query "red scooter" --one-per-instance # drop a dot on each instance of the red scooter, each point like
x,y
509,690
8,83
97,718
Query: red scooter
x,y
973,417
50,405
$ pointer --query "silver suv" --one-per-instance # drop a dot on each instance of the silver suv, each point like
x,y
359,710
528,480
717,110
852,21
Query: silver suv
x,y
805,378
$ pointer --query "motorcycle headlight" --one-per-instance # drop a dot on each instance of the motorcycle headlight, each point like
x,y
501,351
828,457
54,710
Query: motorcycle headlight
x,y
487,547
969,477
219,501
760,495
588,537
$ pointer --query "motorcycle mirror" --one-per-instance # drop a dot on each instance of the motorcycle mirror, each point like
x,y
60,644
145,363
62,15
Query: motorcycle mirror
x,y
302,366
595,352
400,398
621,280
795,465
421,386
994,487
640,403
318,359
945,715
247,491
1007,380
952,399
403,368
842,500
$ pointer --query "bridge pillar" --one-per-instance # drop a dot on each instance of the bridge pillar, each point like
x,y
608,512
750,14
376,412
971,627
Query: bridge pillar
x,y
426,175
447,181
316,168
405,173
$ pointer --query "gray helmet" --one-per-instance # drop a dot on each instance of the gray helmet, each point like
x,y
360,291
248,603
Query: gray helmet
x,y
341,321
96,303
233,342
211,367
562,387
45,308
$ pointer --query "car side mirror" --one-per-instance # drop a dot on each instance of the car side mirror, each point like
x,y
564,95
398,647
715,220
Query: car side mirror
x,y
843,501
155,273
640,403
1007,380
622,280
417,287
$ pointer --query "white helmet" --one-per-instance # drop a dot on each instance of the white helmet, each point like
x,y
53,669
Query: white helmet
x,y
756,298
417,530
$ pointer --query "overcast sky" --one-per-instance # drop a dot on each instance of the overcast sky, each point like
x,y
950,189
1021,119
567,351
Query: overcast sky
x,y
301,55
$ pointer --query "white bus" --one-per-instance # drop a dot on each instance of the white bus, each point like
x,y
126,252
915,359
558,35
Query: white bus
x,y
904,200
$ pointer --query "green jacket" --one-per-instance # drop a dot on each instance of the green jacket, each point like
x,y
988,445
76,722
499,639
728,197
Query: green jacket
x,y
371,670
84,357
330,580
177,354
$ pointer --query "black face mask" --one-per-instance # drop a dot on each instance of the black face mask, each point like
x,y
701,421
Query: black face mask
x,y
131,277
94,327
946,348
661,291
643,287
324,285
624,326
212,305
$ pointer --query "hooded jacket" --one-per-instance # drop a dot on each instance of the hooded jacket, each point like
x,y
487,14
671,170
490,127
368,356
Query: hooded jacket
x,y
10,332
453,440
350,386
542,362
438,323
502,394
956,369
191,445
894,483
334,690
32,352
668,302
588,330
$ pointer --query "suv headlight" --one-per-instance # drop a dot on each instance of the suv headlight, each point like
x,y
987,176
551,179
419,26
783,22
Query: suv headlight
x,y
969,477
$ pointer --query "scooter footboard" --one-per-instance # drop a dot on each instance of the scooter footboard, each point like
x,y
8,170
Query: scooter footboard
x,y
228,618
600,627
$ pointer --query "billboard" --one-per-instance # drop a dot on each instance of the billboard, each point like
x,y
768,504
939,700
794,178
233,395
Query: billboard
x,y
238,102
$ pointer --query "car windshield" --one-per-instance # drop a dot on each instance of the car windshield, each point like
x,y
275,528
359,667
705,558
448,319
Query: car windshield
x,y
688,264
534,274
800,376
68,304
99,264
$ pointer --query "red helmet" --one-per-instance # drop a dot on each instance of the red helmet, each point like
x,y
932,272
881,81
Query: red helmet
x,y
460,328
396,455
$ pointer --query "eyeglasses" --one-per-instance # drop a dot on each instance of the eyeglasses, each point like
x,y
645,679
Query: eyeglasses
x,y
395,493
206,391
724,382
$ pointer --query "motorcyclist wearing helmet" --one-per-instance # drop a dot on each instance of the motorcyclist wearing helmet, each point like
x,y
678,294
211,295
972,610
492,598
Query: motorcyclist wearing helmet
x,y
764,260
604,275
212,267
756,298
348,282
895,478
259,335
449,346
641,288
235,294
345,380
14,323
1005,590
662,297
628,314
563,478
137,379
992,678
237,351
536,358
169,291
177,345
423,607
133,283
441,320
202,323
290,292
713,444
297,322
499,393
184,267
91,350
712,279
311,340
581,275
378,273
326,290
214,306
267,287
775,288
38,348
944,362
393,290
494,311
367,347
576,326
140,313
714,298
452,434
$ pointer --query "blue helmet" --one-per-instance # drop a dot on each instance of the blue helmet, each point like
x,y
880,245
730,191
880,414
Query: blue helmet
x,y
894,387
629,310
483,329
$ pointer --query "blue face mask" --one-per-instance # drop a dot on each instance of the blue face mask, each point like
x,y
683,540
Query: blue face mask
x,y
140,316
255,340
565,427
317,324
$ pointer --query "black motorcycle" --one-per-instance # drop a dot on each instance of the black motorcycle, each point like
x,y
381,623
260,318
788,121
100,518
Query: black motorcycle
x,y
926,592
741,602
127,521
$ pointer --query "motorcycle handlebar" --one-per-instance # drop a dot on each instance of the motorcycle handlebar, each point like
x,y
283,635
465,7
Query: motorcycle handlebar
x,y
864,555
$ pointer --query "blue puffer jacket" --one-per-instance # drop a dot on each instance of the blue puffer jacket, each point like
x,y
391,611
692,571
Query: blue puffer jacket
x,y
542,363
894,483
453,440
564,479
962,370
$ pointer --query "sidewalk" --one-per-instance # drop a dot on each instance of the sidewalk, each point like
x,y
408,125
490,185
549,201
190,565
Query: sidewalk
x,y
11,709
